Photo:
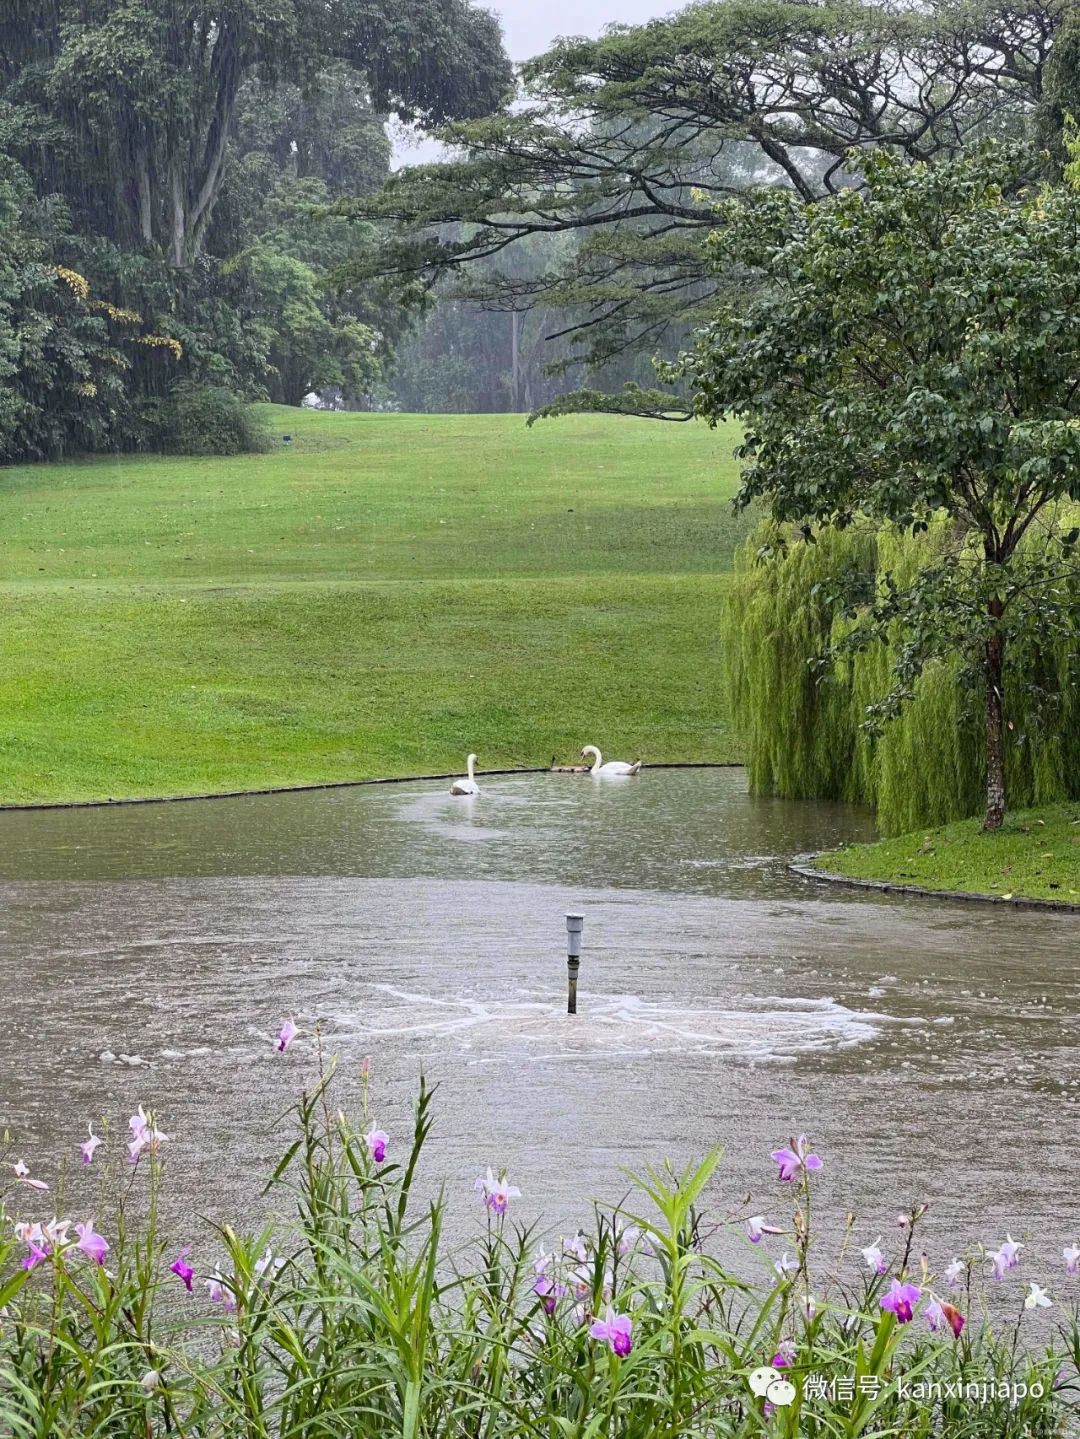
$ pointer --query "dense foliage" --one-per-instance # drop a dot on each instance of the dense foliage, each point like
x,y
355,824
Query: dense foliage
x,y
178,157
914,354
360,1317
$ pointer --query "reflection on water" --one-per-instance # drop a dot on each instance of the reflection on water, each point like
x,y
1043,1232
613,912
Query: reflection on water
x,y
149,953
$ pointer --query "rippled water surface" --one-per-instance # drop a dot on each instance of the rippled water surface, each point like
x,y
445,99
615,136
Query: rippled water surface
x,y
930,1049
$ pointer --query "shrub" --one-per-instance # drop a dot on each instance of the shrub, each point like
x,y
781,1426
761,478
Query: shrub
x,y
359,1319
202,419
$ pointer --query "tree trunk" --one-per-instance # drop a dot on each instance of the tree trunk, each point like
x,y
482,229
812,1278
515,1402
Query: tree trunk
x,y
995,723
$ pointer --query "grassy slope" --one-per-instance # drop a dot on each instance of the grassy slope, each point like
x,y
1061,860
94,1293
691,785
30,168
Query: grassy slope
x,y
387,593
1035,855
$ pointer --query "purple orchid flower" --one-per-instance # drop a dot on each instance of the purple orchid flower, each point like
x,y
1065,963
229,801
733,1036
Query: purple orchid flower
x,y
269,1264
901,1300
1071,1256
785,1354
87,1147
377,1140
91,1243
497,1192
220,1291
549,1291
144,1136
182,1269
1007,1257
286,1036
934,1314
954,1272
616,1330
756,1227
796,1158
38,1252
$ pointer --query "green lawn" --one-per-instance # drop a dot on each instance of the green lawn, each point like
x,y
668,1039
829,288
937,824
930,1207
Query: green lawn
x,y
1036,855
381,596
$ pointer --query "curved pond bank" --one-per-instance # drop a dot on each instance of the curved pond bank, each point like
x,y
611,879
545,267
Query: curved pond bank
x,y
931,1050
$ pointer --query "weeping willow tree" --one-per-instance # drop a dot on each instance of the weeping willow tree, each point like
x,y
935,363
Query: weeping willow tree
x,y
912,356
805,697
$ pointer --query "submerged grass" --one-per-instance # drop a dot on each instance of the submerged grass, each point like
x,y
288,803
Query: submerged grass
x,y
379,597
359,1319
1035,855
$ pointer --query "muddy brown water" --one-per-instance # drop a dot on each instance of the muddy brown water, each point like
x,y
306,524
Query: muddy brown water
x,y
929,1049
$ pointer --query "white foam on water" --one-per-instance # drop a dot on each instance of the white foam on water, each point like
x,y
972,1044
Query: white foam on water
x,y
776,1028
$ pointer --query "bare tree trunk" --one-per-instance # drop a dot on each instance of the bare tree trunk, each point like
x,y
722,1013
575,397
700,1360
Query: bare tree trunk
x,y
515,361
142,180
994,666
179,219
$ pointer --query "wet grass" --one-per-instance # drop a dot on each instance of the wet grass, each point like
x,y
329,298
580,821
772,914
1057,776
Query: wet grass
x,y
378,597
1035,855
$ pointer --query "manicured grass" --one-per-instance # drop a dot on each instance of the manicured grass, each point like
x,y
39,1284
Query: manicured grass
x,y
1036,855
377,598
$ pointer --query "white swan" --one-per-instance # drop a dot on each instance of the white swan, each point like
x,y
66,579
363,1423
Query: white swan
x,y
466,786
613,766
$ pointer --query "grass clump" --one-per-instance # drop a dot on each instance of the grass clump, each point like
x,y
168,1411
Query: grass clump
x,y
1035,855
360,1318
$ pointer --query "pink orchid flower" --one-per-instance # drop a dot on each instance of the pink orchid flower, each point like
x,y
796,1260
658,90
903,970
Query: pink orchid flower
x,y
144,1136
37,1253
91,1243
220,1292
1071,1256
88,1146
22,1174
954,1272
286,1036
616,1330
796,1158
756,1227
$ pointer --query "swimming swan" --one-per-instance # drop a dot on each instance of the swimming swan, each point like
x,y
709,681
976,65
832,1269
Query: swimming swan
x,y
613,766
466,786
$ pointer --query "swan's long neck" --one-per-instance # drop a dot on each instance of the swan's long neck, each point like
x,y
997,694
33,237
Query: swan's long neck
x,y
471,761
599,759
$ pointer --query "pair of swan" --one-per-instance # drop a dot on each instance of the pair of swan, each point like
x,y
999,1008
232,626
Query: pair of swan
x,y
614,769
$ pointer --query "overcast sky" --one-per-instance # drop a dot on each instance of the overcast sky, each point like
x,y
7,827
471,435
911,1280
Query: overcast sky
x,y
529,26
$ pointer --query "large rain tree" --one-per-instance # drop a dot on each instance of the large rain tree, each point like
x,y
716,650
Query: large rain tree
x,y
913,357
624,143
140,98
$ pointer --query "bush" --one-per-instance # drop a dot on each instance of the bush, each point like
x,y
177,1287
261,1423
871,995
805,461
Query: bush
x,y
360,1320
210,420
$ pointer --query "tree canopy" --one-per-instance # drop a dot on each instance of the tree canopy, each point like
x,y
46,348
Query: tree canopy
x,y
627,141
914,352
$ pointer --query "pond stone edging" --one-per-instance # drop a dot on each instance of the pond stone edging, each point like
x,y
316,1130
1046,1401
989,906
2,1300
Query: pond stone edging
x,y
808,870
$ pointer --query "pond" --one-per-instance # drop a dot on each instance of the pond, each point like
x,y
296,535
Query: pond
x,y
929,1049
